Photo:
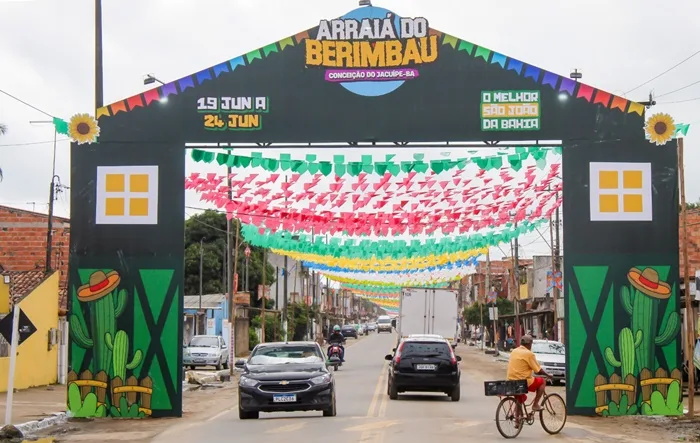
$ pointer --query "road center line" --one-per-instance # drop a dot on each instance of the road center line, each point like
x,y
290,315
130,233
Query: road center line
x,y
377,391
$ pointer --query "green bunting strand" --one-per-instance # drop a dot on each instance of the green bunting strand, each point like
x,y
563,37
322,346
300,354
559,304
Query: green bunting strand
x,y
381,249
385,289
370,165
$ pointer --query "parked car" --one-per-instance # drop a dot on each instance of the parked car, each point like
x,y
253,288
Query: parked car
x,y
349,331
424,364
550,355
285,377
206,350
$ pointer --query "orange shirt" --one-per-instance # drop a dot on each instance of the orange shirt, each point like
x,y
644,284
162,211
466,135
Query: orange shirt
x,y
522,364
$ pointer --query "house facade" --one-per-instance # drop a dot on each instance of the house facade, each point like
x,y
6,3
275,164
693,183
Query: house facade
x,y
23,245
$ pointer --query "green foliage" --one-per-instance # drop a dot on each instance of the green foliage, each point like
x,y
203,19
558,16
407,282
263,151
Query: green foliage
x,y
273,328
671,405
298,316
86,408
627,345
473,312
126,411
624,408
211,226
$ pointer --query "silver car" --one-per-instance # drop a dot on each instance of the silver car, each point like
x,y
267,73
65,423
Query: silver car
x,y
550,355
206,350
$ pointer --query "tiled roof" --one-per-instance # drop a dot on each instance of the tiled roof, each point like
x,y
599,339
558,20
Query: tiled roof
x,y
22,283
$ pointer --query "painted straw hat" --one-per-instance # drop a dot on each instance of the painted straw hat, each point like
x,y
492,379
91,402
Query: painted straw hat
x,y
100,284
647,281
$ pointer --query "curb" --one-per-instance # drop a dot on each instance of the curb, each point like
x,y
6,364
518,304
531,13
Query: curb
x,y
57,418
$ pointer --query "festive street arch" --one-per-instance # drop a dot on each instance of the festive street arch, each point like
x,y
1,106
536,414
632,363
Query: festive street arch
x,y
372,78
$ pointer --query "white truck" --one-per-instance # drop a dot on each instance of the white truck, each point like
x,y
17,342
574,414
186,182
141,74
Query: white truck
x,y
431,311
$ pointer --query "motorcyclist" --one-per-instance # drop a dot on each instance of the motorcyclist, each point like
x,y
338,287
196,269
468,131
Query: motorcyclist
x,y
337,337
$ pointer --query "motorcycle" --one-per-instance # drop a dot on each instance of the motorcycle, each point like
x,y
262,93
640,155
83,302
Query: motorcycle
x,y
334,356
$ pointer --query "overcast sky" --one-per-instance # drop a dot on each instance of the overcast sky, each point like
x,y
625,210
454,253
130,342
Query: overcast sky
x,y
46,58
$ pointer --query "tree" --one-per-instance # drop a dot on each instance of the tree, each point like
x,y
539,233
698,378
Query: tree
x,y
472,313
3,131
211,227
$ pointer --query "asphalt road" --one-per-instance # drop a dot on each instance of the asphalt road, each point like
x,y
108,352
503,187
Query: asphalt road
x,y
365,413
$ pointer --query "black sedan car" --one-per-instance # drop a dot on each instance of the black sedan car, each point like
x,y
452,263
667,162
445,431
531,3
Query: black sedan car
x,y
285,377
422,364
348,331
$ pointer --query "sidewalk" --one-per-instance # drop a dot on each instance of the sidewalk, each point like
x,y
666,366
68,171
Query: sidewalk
x,y
35,403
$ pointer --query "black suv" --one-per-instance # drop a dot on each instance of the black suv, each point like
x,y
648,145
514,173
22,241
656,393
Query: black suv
x,y
424,365
348,331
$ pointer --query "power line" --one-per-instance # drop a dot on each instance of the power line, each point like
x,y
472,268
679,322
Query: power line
x,y
679,101
26,104
679,89
663,73
11,145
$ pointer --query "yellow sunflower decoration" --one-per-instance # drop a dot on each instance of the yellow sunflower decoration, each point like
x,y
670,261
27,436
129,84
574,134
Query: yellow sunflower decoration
x,y
83,128
660,128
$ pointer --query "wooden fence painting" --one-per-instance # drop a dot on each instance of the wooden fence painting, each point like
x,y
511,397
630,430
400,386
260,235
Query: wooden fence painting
x,y
607,390
132,389
611,389
660,381
88,384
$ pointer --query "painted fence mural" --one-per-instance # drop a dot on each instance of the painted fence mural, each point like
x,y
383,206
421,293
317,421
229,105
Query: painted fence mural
x,y
622,309
113,327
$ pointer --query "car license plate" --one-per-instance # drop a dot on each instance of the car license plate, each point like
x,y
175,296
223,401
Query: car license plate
x,y
199,360
284,398
425,367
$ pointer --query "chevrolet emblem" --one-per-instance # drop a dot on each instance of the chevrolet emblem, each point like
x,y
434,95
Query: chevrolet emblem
x,y
284,382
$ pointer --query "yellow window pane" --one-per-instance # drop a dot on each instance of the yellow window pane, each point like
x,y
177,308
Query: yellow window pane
x,y
138,183
609,203
114,183
632,203
138,207
114,207
608,179
632,179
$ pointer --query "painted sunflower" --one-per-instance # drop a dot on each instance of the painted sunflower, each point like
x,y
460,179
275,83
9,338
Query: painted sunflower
x,y
83,128
660,128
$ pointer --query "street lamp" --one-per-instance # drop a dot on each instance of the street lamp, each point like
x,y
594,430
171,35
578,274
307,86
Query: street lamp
x,y
150,79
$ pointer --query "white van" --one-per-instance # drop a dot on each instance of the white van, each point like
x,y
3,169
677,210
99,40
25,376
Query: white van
x,y
383,323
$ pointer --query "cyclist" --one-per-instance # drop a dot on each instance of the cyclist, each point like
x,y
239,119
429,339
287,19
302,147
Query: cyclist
x,y
521,366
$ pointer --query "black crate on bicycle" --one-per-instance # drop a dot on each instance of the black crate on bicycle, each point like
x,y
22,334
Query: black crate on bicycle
x,y
505,387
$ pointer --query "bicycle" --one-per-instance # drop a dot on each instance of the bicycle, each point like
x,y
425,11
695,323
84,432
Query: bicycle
x,y
512,409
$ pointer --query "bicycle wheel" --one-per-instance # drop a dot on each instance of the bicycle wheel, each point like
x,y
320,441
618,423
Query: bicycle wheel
x,y
553,414
508,426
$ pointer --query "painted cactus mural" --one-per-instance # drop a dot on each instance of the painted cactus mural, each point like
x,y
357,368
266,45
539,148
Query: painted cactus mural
x,y
106,304
641,302
120,354
111,391
627,344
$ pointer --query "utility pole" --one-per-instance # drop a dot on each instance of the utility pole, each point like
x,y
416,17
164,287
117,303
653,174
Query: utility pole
x,y
557,270
286,278
231,269
264,291
689,317
99,92
516,278
201,286
554,270
487,290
